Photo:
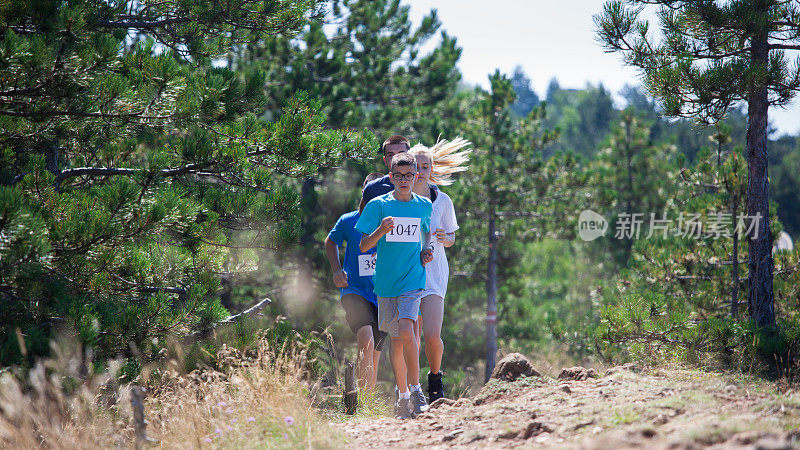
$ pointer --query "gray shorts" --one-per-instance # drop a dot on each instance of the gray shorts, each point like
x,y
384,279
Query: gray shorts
x,y
392,309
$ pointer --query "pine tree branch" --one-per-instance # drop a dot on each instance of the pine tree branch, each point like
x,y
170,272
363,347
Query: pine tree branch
x,y
232,318
151,289
517,214
690,277
97,171
241,247
783,47
480,276
111,171
714,56
253,309
142,24
726,263
75,113
171,290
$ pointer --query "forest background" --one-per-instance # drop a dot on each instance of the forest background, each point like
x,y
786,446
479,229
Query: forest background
x,y
154,181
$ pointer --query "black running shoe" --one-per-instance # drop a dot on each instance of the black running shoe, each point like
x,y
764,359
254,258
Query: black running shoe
x,y
435,387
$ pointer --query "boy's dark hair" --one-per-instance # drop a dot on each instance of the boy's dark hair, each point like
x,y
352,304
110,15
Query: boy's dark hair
x,y
396,139
404,159
371,177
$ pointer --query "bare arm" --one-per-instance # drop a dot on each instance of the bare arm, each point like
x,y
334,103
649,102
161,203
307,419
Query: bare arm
x,y
371,240
332,252
426,255
447,239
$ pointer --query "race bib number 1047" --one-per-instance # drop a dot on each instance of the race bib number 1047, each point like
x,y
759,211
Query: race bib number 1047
x,y
406,229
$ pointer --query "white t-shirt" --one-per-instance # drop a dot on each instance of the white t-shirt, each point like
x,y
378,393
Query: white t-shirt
x,y
437,271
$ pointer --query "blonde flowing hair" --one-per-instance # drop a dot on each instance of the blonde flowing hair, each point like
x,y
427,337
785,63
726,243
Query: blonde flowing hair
x,y
446,159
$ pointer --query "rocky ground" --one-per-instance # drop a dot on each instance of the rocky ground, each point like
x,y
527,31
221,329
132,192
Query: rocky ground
x,y
620,408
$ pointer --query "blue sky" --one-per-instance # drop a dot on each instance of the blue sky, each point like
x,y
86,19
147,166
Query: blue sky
x,y
548,39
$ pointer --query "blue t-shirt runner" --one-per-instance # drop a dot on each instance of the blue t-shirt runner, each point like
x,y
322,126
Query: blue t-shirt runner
x,y
398,269
358,266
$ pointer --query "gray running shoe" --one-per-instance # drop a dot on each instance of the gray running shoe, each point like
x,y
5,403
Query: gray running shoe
x,y
403,409
419,402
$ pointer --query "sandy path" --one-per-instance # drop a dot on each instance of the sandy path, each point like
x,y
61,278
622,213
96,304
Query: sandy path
x,y
623,409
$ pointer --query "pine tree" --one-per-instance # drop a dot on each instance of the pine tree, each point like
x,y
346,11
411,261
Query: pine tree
x,y
714,55
526,97
631,175
784,182
583,118
369,71
130,166
367,67
684,281
511,194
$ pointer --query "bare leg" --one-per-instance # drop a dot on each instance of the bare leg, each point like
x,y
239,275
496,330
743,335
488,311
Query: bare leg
x,y
410,351
432,314
376,358
411,378
417,332
366,348
398,365
401,365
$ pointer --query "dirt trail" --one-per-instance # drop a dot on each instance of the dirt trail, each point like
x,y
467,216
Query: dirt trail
x,y
677,409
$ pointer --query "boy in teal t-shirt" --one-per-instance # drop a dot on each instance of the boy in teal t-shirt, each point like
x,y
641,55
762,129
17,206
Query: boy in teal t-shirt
x,y
399,223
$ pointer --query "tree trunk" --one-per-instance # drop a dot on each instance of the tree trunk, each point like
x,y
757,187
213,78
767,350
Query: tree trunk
x,y
734,208
760,297
735,262
51,164
491,297
350,397
628,124
226,294
309,206
491,281
139,424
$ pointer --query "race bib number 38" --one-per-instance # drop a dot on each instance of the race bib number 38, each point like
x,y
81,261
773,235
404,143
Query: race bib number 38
x,y
406,229
366,265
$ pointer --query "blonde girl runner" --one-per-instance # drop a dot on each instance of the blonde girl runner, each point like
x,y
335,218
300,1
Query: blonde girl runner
x,y
435,166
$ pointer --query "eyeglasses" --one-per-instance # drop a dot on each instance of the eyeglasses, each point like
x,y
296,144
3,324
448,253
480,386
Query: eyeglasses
x,y
403,176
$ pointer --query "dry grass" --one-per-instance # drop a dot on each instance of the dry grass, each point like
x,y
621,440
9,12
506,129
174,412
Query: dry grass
x,y
372,405
259,400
